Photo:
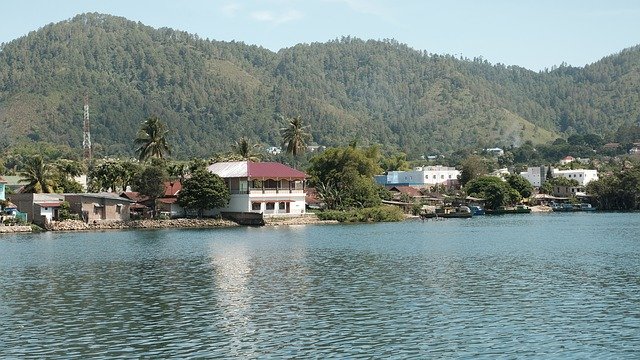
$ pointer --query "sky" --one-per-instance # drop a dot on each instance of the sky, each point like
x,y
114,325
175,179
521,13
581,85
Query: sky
x,y
535,34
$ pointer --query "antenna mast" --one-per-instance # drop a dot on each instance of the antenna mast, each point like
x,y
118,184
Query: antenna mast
x,y
86,135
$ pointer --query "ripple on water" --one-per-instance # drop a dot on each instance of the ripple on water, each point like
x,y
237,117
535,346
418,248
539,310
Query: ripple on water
x,y
505,287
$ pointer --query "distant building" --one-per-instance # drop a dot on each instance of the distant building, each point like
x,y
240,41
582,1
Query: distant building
x,y
495,151
582,176
3,182
567,160
421,177
274,150
536,175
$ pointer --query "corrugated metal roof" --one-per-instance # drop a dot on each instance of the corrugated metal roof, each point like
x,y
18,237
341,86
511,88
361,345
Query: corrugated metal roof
x,y
232,169
253,170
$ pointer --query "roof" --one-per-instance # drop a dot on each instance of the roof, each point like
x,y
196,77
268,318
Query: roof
x,y
411,191
134,196
2,180
103,195
253,170
171,188
49,204
171,200
14,180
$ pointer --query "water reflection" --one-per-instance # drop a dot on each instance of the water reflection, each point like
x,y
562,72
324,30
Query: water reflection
x,y
411,290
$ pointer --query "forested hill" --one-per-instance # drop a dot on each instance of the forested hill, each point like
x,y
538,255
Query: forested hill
x,y
211,93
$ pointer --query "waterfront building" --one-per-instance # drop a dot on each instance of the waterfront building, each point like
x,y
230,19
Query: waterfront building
x,y
582,176
421,177
536,175
270,188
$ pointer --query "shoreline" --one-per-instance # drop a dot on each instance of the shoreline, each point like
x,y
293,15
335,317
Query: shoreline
x,y
183,223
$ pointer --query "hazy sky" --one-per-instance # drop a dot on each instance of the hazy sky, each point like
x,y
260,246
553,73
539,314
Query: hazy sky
x,y
531,33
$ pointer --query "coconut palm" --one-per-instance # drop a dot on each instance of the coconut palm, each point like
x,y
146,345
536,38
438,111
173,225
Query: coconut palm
x,y
152,140
38,175
244,150
295,136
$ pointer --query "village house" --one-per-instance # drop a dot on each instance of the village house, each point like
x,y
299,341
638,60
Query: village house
x,y
536,175
99,206
269,188
167,205
40,208
140,208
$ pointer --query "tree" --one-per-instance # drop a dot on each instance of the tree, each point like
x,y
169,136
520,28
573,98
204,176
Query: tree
x,y
520,184
395,162
295,137
495,191
244,150
343,177
38,175
472,167
150,181
203,191
152,140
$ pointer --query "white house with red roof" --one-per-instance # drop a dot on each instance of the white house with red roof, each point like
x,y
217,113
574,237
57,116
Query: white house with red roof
x,y
270,188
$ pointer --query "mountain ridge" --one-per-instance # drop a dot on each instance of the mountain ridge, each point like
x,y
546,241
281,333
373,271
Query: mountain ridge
x,y
210,92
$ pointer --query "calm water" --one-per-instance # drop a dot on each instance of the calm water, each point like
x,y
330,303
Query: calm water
x,y
536,286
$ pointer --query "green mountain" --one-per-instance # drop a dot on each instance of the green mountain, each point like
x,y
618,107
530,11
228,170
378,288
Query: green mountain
x,y
210,93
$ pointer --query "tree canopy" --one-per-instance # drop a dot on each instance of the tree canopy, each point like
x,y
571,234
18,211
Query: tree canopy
x,y
203,191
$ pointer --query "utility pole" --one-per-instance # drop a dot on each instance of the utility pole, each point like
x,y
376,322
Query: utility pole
x,y
86,134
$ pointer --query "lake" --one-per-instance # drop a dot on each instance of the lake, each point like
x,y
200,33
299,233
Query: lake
x,y
514,286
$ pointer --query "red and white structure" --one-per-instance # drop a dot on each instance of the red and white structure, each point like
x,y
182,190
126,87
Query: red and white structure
x,y
270,188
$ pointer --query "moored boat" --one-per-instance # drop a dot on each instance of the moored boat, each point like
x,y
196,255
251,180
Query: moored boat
x,y
518,209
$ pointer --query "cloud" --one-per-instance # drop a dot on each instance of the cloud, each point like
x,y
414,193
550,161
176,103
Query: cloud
x,y
364,6
231,9
276,17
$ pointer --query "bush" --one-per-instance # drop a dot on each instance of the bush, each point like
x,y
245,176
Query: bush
x,y
373,214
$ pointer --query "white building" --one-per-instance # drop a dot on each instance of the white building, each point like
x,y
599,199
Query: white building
x,y
495,151
536,175
269,188
582,176
421,176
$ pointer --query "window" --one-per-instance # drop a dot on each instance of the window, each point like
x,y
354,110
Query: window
x,y
255,206
281,206
434,176
441,176
271,206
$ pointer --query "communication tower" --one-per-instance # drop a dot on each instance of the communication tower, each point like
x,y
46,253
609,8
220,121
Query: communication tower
x,y
86,134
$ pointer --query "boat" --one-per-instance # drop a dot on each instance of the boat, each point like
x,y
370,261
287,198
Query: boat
x,y
476,210
518,209
448,212
568,207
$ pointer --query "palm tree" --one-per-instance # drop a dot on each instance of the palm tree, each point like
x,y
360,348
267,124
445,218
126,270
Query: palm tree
x,y
151,140
244,150
295,136
38,175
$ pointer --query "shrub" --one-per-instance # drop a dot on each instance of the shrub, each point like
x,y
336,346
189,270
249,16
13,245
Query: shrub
x,y
373,214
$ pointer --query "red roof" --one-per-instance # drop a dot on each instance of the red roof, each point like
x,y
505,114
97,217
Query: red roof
x,y
273,170
49,204
171,188
168,200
